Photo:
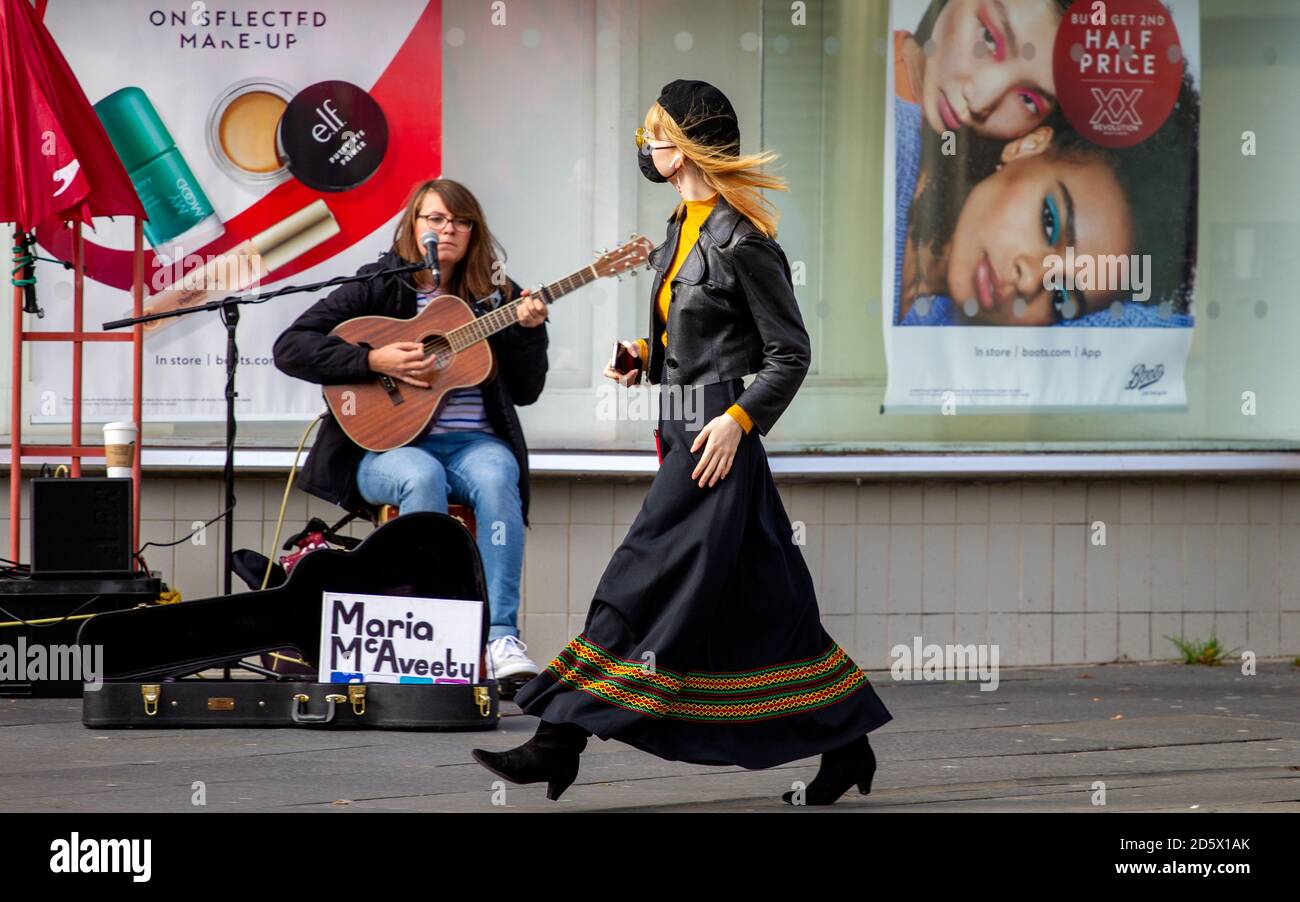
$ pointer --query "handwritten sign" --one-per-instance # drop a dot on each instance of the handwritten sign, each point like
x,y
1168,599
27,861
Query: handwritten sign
x,y
398,639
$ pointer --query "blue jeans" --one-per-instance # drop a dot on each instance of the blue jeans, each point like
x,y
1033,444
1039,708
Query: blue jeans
x,y
473,468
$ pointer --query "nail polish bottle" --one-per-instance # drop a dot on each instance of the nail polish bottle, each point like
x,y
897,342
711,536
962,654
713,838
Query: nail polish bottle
x,y
180,217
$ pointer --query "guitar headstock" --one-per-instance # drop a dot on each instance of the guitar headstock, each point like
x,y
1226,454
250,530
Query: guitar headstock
x,y
628,256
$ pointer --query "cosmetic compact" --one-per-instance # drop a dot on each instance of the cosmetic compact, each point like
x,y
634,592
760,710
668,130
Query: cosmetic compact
x,y
332,136
242,128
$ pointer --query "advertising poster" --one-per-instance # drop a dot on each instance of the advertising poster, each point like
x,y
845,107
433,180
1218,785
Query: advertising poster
x,y
1041,160
269,146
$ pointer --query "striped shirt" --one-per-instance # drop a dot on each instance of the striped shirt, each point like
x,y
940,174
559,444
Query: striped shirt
x,y
462,408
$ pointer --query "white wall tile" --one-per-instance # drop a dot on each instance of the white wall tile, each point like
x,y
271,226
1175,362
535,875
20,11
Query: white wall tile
x,y
905,503
1231,561
1263,633
973,503
1165,624
591,503
1068,639
1234,502
871,642
1134,503
546,569
1168,502
1265,502
1135,637
1201,501
1035,639
1004,568
1036,567
873,569
837,593
1262,570
1133,542
1003,630
809,503
1101,593
873,503
841,503
1004,502
939,550
1166,566
1101,636
905,565
1037,502
1070,503
972,568
591,547
1069,545
939,503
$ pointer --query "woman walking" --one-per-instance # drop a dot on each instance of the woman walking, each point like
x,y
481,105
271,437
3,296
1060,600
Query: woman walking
x,y
704,641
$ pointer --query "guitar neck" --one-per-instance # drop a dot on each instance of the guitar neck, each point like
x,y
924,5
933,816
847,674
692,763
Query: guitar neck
x,y
507,314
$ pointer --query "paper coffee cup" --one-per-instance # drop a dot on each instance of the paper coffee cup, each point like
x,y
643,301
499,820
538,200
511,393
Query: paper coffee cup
x,y
119,448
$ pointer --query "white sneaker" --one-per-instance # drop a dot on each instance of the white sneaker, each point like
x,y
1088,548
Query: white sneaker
x,y
506,659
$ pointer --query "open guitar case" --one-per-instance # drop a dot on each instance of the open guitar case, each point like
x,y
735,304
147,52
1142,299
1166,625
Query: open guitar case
x,y
154,658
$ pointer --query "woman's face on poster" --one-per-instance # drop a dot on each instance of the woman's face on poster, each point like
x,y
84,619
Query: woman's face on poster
x,y
992,67
1036,206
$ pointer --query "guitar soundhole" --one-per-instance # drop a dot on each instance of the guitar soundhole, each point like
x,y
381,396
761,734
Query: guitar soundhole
x,y
440,352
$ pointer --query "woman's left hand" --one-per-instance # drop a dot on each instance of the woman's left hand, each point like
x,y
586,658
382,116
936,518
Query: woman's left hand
x,y
721,436
531,310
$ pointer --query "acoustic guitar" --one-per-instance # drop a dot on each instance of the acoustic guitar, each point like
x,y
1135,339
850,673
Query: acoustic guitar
x,y
386,413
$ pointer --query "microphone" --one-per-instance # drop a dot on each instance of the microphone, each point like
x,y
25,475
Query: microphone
x,y
430,241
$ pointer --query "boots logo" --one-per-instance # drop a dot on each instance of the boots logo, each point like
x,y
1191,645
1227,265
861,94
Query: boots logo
x,y
1116,111
1144,376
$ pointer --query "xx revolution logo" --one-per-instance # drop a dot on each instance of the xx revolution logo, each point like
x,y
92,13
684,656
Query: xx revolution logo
x,y
1117,112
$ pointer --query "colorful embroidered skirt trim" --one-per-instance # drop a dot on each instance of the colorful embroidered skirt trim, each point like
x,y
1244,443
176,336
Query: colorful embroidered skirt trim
x,y
703,696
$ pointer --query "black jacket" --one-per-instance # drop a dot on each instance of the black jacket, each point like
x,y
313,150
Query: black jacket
x,y
307,351
733,312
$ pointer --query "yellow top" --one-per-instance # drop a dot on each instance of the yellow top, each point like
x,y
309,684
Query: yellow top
x,y
696,212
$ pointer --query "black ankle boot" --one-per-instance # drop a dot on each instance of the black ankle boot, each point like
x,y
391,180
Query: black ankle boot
x,y
551,755
840,769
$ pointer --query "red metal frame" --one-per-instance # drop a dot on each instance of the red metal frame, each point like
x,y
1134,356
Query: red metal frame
x,y
76,451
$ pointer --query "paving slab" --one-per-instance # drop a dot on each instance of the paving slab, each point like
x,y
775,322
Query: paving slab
x,y
1160,737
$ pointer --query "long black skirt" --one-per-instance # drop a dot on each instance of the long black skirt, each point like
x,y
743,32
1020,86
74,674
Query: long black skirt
x,y
703,642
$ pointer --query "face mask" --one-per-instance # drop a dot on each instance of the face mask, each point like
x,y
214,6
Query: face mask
x,y
648,168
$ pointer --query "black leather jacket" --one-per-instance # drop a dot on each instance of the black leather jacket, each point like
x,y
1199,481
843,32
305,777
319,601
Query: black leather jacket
x,y
733,312
305,350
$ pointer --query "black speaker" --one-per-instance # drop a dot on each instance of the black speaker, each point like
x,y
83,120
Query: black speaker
x,y
81,527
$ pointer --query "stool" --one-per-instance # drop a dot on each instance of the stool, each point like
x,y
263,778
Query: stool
x,y
461,512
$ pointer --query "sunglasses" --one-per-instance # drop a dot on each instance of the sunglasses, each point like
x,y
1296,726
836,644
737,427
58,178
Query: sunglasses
x,y
645,142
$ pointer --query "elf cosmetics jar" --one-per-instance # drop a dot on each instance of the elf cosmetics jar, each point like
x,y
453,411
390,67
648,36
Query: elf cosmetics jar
x,y
331,136
179,217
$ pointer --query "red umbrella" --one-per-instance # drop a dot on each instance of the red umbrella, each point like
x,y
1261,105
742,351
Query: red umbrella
x,y
56,162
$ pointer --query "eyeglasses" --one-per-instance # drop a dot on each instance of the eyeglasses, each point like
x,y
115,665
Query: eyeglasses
x,y
438,222
644,142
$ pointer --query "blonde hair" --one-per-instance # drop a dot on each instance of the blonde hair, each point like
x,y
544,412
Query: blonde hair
x,y
739,179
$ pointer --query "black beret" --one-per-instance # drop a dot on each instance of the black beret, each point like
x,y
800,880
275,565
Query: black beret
x,y
704,113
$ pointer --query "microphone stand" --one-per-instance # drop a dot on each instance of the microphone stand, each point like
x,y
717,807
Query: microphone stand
x,y
228,308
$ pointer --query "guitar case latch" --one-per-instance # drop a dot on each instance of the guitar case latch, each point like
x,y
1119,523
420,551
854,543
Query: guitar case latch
x,y
151,692
357,696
